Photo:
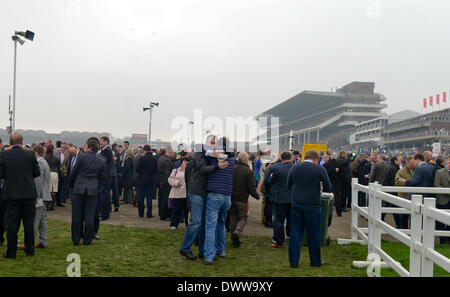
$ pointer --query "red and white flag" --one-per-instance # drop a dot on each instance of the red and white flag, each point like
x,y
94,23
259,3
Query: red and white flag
x,y
431,100
424,102
437,99
444,97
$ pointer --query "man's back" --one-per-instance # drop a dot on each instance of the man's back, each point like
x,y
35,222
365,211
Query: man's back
x,y
279,192
378,171
165,167
146,168
422,176
87,174
42,182
243,183
304,182
18,168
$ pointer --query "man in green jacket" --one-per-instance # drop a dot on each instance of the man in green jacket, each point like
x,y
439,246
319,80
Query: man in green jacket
x,y
401,220
442,180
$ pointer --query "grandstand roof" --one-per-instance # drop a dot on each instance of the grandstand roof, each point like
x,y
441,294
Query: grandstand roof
x,y
306,102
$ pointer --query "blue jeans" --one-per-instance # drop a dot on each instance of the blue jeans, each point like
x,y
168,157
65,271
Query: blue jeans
x,y
440,226
145,192
217,206
309,216
196,226
282,212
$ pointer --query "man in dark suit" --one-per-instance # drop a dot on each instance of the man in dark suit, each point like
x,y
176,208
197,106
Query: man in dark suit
x,y
281,198
423,175
304,181
147,169
105,202
18,168
88,171
165,167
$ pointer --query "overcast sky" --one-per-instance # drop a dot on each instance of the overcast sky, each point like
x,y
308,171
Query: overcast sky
x,y
95,63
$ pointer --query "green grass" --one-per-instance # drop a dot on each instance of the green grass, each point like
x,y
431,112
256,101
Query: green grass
x,y
130,251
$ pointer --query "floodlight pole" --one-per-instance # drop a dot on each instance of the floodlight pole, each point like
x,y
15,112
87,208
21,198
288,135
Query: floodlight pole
x,y
13,126
150,125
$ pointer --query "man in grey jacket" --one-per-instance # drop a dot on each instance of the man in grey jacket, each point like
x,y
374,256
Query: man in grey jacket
x,y
42,183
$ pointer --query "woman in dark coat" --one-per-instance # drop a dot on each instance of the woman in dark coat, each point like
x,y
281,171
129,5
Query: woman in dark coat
x,y
127,177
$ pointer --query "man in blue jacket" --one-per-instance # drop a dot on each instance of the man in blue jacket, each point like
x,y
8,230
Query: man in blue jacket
x,y
196,177
423,174
218,202
281,198
304,181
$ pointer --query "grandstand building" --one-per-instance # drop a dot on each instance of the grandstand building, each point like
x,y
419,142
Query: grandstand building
x,y
326,117
419,132
368,136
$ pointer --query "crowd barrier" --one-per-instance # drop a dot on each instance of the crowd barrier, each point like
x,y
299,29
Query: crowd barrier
x,y
420,238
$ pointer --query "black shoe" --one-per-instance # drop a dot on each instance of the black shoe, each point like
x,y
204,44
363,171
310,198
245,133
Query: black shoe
x,y
60,205
149,217
30,255
190,255
235,240
321,264
104,218
202,257
294,265
5,255
92,242
206,262
116,209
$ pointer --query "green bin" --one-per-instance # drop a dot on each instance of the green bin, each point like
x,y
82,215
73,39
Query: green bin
x,y
326,204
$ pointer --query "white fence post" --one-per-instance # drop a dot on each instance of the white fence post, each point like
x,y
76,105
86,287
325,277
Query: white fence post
x,y
428,237
371,223
376,216
415,256
354,211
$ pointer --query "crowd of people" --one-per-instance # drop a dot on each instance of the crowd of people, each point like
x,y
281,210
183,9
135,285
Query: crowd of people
x,y
420,170
208,189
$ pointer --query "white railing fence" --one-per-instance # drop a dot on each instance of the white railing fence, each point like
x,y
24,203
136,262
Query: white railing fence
x,y
420,238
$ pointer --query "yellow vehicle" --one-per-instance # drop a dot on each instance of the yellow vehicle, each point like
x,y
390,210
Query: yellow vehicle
x,y
316,147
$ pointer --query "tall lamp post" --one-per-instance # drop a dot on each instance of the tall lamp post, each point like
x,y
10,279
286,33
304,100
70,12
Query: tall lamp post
x,y
151,106
190,124
16,38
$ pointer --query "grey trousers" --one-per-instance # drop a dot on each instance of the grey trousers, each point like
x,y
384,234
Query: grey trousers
x,y
40,224
238,217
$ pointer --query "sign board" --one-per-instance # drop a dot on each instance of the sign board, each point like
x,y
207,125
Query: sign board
x,y
436,148
316,147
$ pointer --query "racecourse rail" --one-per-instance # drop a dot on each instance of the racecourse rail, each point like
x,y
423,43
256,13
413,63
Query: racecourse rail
x,y
420,238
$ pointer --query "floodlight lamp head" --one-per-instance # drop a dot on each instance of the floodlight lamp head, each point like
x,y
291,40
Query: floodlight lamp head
x,y
27,34
145,108
154,104
16,38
